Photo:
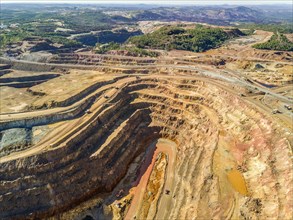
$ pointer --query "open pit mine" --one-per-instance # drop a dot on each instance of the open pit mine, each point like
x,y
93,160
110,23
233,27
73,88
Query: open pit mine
x,y
184,136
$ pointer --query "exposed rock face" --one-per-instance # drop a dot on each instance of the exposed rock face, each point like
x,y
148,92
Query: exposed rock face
x,y
13,139
49,176
233,161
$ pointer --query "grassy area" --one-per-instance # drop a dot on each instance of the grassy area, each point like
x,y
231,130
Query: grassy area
x,y
198,39
277,42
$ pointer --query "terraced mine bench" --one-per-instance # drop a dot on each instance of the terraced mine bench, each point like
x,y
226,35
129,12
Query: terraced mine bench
x,y
211,138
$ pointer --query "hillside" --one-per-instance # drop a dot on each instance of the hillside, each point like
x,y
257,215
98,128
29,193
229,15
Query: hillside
x,y
198,39
202,14
276,42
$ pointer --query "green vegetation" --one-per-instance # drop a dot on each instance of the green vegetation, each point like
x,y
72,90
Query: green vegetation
x,y
284,28
198,39
12,37
133,51
86,21
44,22
171,37
103,37
45,19
18,35
277,42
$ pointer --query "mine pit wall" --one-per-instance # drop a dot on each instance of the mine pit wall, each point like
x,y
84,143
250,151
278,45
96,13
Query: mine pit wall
x,y
211,181
59,179
153,117
184,132
48,119
54,164
101,124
